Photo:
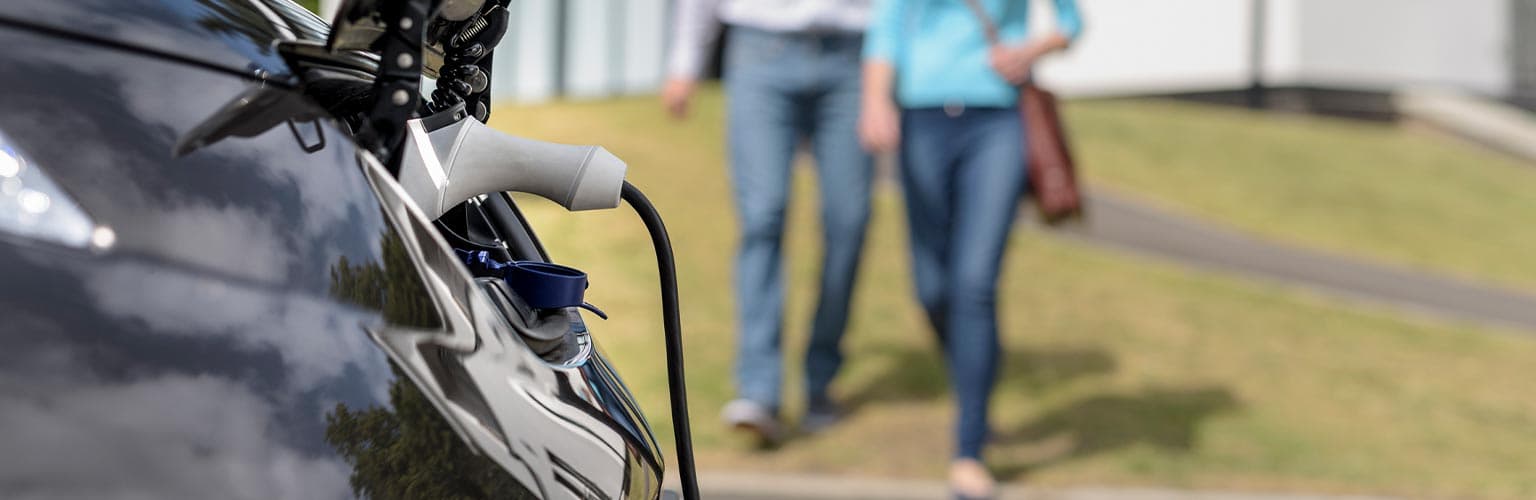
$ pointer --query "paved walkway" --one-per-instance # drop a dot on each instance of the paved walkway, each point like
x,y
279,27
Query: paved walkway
x,y
1121,222
743,486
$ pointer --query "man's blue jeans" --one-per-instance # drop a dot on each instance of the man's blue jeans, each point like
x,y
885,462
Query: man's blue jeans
x,y
962,172
784,88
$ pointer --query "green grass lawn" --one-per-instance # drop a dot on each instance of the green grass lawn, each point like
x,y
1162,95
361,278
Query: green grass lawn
x,y
1385,192
1119,370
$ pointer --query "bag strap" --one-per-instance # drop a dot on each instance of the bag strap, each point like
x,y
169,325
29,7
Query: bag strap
x,y
988,27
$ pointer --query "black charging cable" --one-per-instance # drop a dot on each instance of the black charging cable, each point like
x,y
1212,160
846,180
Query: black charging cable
x,y
674,335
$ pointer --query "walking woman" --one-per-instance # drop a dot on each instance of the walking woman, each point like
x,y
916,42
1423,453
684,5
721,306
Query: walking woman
x,y
938,93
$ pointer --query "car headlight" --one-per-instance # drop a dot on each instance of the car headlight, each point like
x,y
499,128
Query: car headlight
x,y
33,206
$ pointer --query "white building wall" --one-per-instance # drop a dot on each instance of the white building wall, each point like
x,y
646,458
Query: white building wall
x,y
1393,43
588,40
524,66
1283,58
1137,46
1140,46
611,47
645,37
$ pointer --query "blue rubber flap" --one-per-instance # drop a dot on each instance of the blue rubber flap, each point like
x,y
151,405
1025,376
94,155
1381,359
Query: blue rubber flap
x,y
541,285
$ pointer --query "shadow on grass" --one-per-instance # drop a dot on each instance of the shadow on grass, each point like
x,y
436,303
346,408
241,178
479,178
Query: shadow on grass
x,y
909,374
1167,419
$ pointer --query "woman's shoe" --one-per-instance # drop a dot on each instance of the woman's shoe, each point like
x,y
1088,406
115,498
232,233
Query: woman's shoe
x,y
970,480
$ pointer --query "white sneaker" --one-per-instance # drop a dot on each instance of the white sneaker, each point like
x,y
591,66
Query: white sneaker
x,y
751,416
969,479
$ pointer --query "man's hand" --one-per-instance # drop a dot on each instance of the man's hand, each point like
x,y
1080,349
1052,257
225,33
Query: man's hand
x,y
879,125
675,96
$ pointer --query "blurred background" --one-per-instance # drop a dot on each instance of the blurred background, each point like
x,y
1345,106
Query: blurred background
x,y
597,48
1309,263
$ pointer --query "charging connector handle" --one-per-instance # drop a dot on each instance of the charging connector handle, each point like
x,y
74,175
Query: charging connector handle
x,y
673,327
444,167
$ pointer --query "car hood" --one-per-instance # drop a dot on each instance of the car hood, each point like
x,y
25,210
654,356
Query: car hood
x,y
234,35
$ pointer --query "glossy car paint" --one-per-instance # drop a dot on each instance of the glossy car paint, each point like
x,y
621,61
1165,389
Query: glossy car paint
x,y
249,333
234,35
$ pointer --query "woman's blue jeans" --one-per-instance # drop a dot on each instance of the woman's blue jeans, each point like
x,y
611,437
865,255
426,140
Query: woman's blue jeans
x,y
963,173
785,88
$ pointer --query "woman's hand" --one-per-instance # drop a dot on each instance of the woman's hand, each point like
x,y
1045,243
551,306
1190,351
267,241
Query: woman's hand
x,y
879,122
879,125
1014,62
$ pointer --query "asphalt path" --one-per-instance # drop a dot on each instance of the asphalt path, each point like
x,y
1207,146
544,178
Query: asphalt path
x,y
1123,223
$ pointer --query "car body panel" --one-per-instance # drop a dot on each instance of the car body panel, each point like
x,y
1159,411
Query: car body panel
x,y
236,35
234,341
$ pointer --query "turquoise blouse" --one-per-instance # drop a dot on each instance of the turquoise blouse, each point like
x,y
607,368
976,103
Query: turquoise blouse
x,y
940,51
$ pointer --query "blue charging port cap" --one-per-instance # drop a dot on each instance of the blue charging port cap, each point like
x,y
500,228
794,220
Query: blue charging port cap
x,y
549,286
541,285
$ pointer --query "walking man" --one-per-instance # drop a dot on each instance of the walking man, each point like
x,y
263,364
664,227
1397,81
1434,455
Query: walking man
x,y
792,74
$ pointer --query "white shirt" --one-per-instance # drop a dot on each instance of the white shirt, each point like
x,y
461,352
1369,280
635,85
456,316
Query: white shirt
x,y
698,21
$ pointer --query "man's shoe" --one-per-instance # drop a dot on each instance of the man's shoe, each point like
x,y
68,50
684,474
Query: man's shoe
x,y
820,416
754,418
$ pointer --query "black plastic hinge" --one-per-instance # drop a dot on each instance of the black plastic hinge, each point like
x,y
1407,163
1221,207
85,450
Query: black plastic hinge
x,y
397,91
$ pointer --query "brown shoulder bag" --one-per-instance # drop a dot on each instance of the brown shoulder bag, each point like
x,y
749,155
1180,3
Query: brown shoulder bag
x,y
1052,174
